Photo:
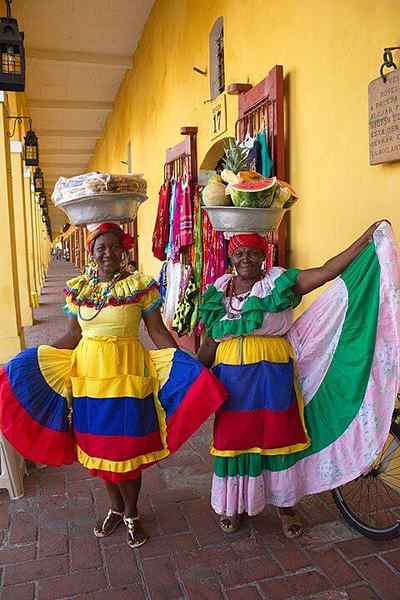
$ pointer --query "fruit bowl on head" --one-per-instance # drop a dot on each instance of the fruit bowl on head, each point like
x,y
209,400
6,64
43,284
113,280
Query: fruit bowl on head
x,y
234,219
103,208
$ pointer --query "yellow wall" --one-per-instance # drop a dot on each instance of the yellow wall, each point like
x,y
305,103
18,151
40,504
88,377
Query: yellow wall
x,y
330,51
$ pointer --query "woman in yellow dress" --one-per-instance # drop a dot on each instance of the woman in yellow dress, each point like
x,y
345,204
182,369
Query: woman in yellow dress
x,y
97,395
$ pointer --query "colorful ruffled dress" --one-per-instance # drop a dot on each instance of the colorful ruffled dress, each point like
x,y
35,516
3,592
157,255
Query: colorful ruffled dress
x,y
130,407
310,402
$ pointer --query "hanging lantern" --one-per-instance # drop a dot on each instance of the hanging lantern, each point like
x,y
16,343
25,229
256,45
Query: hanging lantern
x,y
31,149
38,182
42,200
12,65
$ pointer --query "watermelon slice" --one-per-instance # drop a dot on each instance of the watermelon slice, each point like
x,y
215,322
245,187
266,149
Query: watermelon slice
x,y
254,193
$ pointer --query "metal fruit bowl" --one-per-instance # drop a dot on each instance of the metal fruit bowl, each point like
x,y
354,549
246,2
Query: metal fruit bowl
x,y
232,219
103,207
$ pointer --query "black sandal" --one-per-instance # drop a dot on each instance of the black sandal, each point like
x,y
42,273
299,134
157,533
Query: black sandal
x,y
136,536
109,524
230,524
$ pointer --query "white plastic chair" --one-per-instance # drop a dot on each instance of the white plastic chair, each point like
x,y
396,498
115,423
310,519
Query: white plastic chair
x,y
12,470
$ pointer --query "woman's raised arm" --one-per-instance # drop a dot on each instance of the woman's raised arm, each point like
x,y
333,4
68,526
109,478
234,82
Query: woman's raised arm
x,y
310,279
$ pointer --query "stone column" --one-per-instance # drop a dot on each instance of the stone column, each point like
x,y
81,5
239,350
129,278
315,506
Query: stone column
x,y
20,226
29,199
11,336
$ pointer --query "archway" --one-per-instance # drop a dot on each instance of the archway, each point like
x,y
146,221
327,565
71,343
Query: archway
x,y
211,159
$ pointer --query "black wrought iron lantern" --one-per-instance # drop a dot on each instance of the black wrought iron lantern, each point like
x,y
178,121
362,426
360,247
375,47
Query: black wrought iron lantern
x,y
42,200
31,149
38,181
31,143
12,64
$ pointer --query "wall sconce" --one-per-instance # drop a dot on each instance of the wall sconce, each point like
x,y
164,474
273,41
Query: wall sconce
x,y
38,181
42,200
12,52
31,146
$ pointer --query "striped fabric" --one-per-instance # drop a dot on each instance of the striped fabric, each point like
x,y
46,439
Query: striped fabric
x,y
120,425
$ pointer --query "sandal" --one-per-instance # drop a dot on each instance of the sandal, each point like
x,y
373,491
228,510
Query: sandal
x,y
136,535
292,525
109,524
229,524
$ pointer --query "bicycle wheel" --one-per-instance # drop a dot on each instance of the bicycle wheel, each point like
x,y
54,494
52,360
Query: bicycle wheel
x,y
371,503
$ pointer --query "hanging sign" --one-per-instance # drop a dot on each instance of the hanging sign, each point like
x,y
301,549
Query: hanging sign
x,y
384,119
218,116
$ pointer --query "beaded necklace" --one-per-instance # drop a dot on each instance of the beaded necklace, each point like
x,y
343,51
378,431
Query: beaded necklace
x,y
99,296
233,313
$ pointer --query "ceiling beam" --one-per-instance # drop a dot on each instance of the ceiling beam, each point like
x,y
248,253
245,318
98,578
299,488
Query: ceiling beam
x,y
90,58
61,165
65,151
70,104
71,133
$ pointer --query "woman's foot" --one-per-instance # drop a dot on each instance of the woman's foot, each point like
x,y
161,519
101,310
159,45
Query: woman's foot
x,y
229,524
109,524
136,536
292,523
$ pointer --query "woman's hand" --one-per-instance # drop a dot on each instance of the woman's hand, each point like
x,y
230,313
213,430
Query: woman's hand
x,y
367,236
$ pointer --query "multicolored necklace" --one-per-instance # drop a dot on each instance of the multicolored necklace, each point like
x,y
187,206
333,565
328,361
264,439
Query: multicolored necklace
x,y
234,313
99,295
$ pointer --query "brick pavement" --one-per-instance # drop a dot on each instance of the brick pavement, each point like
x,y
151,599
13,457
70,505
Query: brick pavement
x,y
47,550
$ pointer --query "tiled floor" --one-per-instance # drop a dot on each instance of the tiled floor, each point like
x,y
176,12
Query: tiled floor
x,y
48,552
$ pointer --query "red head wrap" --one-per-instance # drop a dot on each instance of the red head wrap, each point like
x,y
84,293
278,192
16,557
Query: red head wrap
x,y
247,240
125,239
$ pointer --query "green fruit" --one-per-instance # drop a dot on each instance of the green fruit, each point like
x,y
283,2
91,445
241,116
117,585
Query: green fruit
x,y
254,194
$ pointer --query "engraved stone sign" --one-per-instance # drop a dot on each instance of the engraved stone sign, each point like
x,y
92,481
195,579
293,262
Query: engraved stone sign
x,y
384,119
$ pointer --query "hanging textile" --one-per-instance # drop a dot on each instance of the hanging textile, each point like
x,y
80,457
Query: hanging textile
x,y
183,313
161,227
169,249
197,257
214,253
186,213
264,161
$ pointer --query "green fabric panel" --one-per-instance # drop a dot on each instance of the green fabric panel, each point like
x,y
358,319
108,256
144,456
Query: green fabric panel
x,y
266,161
340,395
253,310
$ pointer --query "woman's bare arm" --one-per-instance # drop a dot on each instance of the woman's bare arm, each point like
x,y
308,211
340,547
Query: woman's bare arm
x,y
207,351
71,338
310,279
158,331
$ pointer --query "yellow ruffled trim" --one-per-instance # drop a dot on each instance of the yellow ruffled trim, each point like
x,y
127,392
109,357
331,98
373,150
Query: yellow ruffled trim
x,y
55,366
80,287
272,452
121,466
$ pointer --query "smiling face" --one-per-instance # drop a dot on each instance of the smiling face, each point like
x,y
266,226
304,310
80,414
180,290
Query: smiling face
x,y
248,262
108,252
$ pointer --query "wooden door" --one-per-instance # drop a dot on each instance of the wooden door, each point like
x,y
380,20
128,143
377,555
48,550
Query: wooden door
x,y
263,106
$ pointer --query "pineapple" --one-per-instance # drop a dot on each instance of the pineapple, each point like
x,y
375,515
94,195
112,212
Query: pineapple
x,y
235,160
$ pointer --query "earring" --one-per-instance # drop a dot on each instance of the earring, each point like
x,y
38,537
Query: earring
x,y
92,270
